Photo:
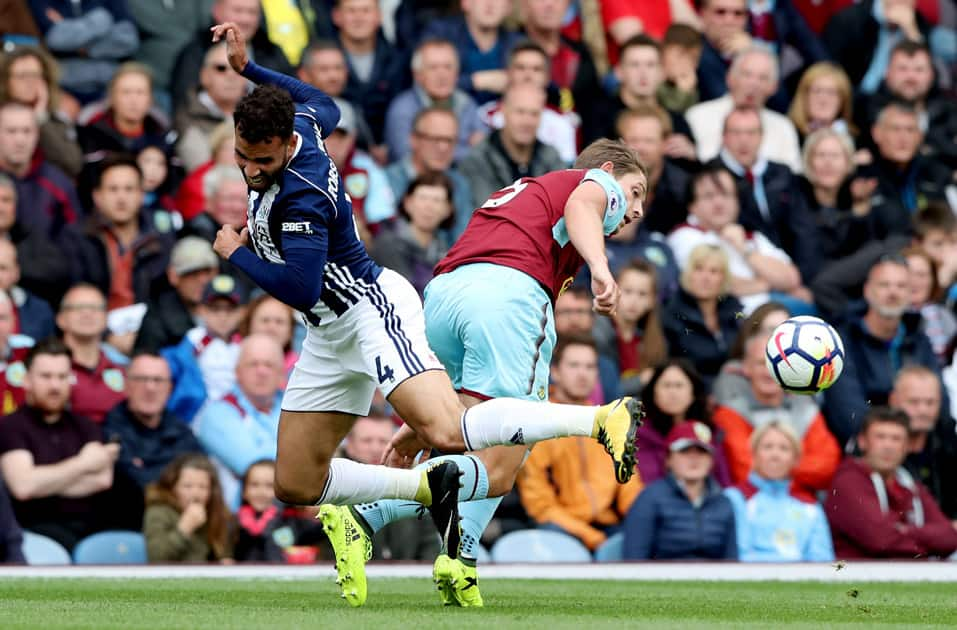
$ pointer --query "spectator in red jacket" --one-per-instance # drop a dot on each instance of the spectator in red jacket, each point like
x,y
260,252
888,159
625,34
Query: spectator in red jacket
x,y
876,508
759,400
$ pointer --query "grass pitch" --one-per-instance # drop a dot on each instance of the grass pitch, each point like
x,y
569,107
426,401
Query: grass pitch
x,y
409,603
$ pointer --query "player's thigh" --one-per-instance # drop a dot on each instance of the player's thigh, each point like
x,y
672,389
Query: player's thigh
x,y
428,404
307,442
443,309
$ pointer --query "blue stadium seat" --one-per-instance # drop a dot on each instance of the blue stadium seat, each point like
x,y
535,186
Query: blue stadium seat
x,y
612,550
539,545
113,547
482,556
39,549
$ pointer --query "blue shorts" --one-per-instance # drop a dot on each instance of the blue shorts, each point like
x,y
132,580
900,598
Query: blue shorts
x,y
493,329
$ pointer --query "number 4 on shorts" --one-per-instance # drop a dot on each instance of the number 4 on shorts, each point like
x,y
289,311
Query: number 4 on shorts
x,y
384,371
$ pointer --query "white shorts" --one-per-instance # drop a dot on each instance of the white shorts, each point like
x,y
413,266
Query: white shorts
x,y
379,342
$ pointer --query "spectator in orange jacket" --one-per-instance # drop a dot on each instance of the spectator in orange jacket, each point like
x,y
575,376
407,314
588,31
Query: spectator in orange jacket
x,y
759,400
566,484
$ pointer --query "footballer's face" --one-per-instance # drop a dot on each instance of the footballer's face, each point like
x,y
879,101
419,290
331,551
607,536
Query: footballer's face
x,y
262,163
634,185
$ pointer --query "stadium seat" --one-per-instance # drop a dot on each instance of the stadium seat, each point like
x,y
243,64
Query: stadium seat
x,y
612,550
39,549
113,547
482,556
538,545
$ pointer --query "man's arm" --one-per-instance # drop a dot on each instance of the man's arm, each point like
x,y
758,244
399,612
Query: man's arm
x,y
28,481
584,215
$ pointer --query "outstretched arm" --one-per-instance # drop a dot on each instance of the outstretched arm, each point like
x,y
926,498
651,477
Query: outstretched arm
x,y
318,102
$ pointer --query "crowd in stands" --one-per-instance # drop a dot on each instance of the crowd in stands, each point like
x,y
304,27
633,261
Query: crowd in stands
x,y
801,159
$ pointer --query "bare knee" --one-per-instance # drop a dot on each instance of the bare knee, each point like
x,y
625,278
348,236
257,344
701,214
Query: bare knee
x,y
443,436
294,489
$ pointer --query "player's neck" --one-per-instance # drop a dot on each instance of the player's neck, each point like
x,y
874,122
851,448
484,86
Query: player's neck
x,y
355,46
484,37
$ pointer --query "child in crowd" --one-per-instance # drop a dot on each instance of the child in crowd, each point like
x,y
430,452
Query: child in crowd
x,y
158,182
186,519
633,336
935,231
203,364
268,530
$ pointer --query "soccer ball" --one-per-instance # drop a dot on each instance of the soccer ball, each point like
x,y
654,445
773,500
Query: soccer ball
x,y
805,355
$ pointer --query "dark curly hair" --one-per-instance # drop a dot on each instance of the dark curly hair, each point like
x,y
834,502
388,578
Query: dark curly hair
x,y
267,112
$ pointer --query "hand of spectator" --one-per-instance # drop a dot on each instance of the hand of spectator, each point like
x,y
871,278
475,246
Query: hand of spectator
x,y
235,44
736,43
681,70
903,17
112,450
228,240
96,457
679,146
54,16
735,235
490,81
403,448
192,518
605,290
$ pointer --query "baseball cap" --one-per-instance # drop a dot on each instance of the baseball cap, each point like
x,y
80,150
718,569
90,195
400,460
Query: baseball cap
x,y
193,254
222,287
347,117
688,434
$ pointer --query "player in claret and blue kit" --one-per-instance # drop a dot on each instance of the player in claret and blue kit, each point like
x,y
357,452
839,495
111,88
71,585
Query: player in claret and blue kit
x,y
365,330
489,319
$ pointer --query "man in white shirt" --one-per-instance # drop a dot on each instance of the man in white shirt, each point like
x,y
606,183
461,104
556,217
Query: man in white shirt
x,y
757,267
752,79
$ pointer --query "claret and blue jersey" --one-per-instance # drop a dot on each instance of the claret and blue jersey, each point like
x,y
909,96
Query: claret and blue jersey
x,y
307,249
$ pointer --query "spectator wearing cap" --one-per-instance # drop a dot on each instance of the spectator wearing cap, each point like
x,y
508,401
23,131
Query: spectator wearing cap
x,y
149,435
880,337
97,368
13,353
435,70
876,508
124,255
207,105
171,313
203,364
33,316
773,524
564,485
684,516
364,180
242,426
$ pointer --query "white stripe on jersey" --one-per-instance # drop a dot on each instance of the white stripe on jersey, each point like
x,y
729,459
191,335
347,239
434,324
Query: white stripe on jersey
x,y
258,223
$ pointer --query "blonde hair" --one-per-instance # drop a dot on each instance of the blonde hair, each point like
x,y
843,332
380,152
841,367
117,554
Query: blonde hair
x,y
701,254
810,144
781,427
624,159
798,112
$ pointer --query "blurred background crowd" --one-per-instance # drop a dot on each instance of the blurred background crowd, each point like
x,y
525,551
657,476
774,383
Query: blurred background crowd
x,y
801,158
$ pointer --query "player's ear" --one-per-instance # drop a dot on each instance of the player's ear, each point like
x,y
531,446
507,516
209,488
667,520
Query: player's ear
x,y
607,166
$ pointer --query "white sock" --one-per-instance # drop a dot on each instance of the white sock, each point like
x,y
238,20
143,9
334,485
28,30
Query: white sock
x,y
350,483
510,421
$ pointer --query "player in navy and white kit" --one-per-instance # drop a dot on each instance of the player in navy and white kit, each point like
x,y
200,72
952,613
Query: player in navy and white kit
x,y
365,327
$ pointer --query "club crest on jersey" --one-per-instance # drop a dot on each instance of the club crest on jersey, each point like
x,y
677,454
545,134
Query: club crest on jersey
x,y
297,227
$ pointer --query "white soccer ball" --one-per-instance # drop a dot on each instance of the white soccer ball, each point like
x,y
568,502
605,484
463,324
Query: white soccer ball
x,y
805,355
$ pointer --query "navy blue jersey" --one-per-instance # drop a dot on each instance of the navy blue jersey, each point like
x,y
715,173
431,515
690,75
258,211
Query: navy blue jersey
x,y
307,249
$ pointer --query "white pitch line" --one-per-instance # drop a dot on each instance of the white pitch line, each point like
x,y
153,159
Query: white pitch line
x,y
664,571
